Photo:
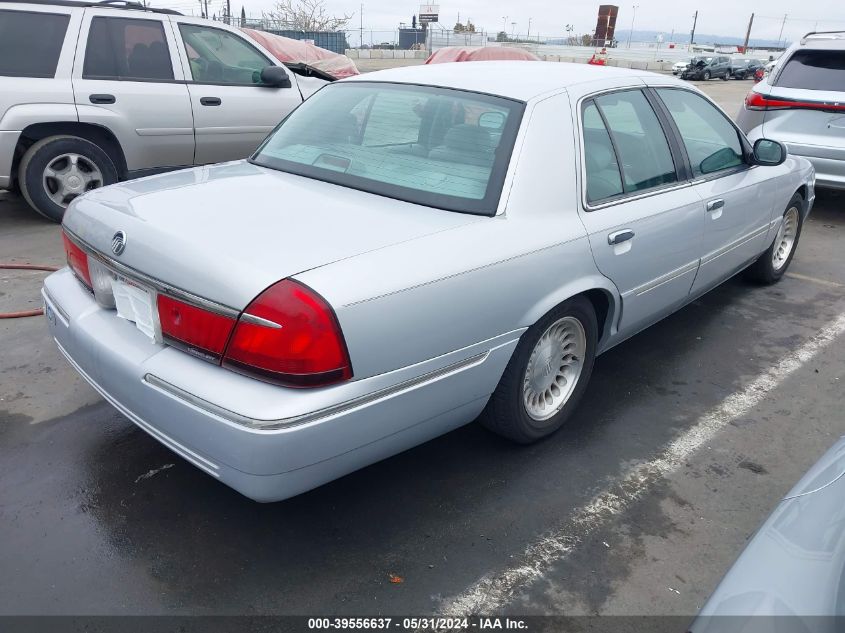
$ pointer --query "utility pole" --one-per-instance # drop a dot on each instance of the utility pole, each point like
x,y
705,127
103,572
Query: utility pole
x,y
633,15
748,35
361,27
692,33
528,35
782,24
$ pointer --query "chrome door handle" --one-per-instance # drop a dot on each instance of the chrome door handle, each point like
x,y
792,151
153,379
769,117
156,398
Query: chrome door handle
x,y
715,204
617,237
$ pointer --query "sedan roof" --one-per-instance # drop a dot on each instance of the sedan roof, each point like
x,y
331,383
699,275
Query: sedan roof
x,y
516,80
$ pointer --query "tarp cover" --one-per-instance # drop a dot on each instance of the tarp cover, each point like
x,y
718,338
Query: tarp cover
x,y
290,51
479,54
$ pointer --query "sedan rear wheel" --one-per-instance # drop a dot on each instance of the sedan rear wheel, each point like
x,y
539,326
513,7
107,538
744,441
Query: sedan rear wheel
x,y
547,374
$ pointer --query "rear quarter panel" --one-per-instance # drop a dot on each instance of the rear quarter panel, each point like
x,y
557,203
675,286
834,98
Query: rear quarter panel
x,y
418,300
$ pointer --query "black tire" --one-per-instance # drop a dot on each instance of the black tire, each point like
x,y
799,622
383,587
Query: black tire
x,y
763,269
43,153
505,413
706,75
727,75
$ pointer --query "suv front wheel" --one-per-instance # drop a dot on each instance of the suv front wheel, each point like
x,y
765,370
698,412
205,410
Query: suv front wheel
x,y
57,169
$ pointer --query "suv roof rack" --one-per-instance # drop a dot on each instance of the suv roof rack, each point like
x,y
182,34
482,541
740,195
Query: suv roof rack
x,y
823,35
105,4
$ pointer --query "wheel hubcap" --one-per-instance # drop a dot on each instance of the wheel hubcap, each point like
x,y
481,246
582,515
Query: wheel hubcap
x,y
553,368
70,175
785,240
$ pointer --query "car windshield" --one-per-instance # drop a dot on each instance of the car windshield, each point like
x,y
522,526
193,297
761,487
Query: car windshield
x,y
438,147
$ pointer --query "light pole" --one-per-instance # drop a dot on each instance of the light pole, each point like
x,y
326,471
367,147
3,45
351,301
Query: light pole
x,y
528,35
633,16
513,29
504,27
782,24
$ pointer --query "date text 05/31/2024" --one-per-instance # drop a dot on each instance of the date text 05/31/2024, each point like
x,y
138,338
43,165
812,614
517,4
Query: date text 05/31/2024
x,y
418,624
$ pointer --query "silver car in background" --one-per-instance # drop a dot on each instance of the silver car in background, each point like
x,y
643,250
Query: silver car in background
x,y
409,250
802,104
791,575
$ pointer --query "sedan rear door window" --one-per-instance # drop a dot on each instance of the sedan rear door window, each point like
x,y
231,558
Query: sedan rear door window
x,y
641,147
439,147
814,70
603,177
30,43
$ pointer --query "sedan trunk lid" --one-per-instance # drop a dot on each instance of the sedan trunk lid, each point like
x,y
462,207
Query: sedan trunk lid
x,y
226,232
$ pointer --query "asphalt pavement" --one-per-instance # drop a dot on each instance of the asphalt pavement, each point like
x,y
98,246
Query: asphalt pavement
x,y
628,510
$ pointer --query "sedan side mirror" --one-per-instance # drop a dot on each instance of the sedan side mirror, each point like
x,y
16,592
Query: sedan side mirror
x,y
275,77
769,153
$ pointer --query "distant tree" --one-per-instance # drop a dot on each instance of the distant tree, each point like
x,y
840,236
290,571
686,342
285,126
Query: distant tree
x,y
501,36
459,28
306,15
587,39
470,27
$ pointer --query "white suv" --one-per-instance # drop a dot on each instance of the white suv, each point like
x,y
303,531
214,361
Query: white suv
x,y
802,104
92,93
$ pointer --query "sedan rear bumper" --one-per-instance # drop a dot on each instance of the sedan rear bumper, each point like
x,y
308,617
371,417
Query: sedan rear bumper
x,y
323,434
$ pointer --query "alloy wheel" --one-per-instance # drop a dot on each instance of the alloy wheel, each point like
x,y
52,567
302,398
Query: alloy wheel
x,y
70,175
554,368
785,240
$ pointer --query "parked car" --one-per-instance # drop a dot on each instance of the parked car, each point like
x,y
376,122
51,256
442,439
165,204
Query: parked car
x,y
705,68
789,576
91,94
745,68
802,103
449,54
678,67
405,253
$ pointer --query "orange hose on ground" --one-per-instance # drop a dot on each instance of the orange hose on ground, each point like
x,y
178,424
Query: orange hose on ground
x,y
25,313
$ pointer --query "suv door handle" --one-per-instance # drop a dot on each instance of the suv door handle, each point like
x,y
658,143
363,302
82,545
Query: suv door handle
x,y
617,237
102,99
211,101
715,204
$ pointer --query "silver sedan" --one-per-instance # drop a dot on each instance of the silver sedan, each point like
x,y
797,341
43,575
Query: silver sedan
x,y
408,251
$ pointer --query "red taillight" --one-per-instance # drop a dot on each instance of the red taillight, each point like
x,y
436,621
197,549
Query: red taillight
x,y
295,339
77,260
756,101
199,331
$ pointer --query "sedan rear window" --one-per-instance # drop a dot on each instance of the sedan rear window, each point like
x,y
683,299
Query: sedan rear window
x,y
438,147
30,43
814,70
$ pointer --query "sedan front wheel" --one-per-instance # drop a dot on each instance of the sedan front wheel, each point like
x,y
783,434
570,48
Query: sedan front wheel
x,y
547,374
772,264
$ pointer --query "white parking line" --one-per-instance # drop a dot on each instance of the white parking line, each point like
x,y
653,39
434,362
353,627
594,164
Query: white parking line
x,y
816,280
493,591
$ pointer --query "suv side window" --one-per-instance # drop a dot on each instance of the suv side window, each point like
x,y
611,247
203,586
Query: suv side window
x,y
127,48
219,57
711,141
640,145
30,43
